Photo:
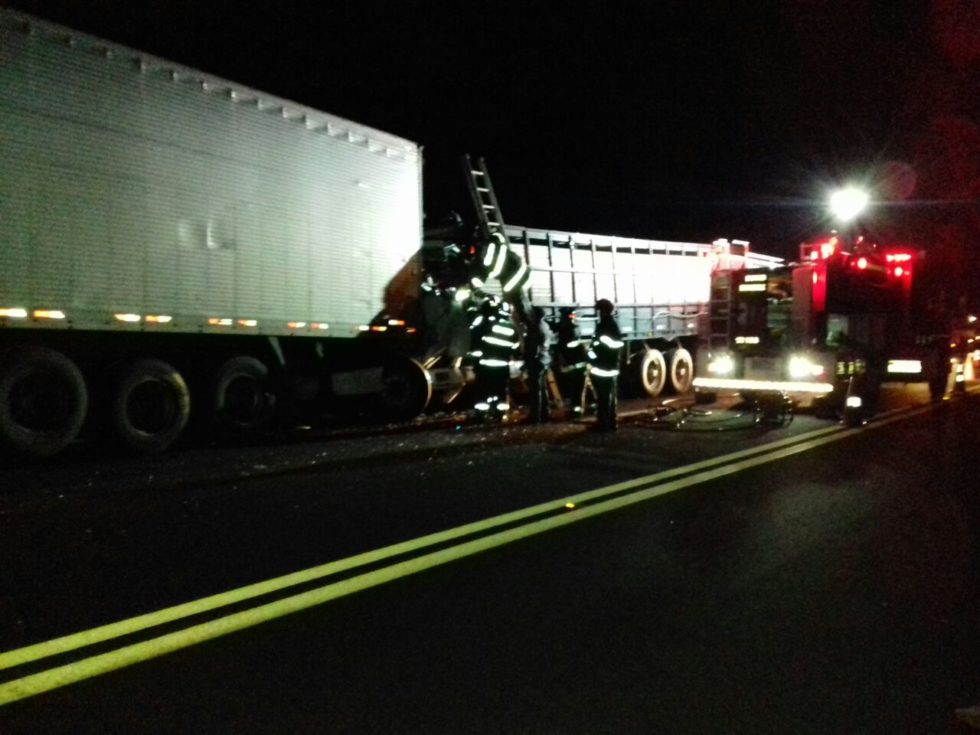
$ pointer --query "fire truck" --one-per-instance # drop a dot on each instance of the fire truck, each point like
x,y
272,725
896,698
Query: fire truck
x,y
828,329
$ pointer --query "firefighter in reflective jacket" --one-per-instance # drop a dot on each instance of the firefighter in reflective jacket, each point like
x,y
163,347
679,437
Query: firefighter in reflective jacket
x,y
604,349
495,342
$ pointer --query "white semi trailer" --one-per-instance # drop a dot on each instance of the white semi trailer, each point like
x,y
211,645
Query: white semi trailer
x,y
661,290
168,238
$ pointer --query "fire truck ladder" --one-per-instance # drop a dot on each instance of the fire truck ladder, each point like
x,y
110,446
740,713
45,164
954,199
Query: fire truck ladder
x,y
484,199
720,317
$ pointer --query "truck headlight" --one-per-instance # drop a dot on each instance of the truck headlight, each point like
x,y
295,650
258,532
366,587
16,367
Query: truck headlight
x,y
802,367
722,365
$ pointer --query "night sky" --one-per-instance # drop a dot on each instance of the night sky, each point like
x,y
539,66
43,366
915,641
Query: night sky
x,y
672,120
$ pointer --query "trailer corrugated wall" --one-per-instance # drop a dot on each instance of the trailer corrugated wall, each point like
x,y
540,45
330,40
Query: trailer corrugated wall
x,y
132,187
659,287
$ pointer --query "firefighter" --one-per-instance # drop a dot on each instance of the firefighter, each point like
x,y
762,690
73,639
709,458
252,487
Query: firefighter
x,y
571,358
604,350
494,341
537,361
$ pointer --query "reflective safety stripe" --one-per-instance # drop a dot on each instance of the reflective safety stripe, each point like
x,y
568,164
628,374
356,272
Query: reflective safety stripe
x,y
499,342
506,331
475,353
491,362
499,265
488,256
573,343
592,355
603,373
610,342
517,277
477,322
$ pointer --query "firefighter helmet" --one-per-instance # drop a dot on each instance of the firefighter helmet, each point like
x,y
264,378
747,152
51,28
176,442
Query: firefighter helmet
x,y
604,306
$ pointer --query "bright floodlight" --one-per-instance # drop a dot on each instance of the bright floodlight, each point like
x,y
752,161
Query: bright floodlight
x,y
846,204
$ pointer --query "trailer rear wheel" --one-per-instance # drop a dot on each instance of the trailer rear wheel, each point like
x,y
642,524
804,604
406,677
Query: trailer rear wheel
x,y
681,370
242,399
407,389
653,373
151,405
43,401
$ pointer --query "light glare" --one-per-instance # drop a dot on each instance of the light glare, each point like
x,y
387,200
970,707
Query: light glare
x,y
788,386
723,365
848,203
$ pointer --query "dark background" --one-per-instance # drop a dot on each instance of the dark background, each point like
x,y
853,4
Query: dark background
x,y
672,120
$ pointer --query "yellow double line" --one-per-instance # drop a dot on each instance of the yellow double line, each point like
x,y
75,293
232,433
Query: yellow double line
x,y
579,507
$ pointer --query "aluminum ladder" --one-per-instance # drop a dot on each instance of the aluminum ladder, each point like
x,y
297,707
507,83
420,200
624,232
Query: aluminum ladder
x,y
484,199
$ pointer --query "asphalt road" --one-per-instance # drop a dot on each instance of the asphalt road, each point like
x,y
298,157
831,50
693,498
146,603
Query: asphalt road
x,y
833,589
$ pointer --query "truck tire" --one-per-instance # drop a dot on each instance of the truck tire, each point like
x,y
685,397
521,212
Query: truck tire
x,y
653,373
242,401
43,401
407,389
150,406
681,370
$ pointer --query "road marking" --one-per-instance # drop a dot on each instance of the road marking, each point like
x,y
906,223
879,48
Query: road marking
x,y
109,631
642,489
